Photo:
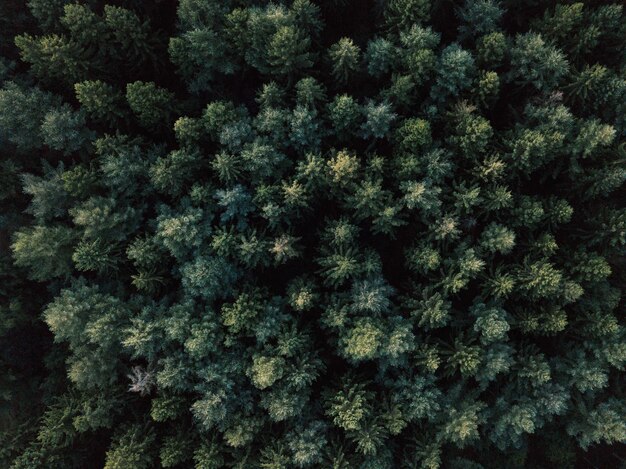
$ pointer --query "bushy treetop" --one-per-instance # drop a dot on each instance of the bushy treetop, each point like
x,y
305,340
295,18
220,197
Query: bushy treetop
x,y
300,233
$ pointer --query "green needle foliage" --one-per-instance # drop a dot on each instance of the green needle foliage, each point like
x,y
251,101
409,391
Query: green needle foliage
x,y
312,234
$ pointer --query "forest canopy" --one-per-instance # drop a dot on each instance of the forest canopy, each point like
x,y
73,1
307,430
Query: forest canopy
x,y
365,234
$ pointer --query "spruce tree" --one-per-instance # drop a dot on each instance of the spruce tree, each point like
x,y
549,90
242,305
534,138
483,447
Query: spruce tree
x,y
307,234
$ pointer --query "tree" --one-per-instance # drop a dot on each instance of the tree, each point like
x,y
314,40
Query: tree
x,y
100,100
22,128
491,48
345,58
280,39
403,13
381,56
131,36
479,17
64,130
200,54
47,13
345,114
454,72
151,105
420,57
170,173
53,57
536,63
378,119
131,449
413,134
287,51
46,251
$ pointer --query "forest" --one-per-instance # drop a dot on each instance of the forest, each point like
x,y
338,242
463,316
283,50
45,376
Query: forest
x,y
337,234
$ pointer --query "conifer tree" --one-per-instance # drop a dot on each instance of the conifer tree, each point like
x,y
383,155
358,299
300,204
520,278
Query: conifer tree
x,y
306,234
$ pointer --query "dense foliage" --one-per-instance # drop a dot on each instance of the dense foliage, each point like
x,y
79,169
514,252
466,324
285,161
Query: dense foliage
x,y
337,234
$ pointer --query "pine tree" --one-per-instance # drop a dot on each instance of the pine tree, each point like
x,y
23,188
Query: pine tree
x,y
345,58
311,234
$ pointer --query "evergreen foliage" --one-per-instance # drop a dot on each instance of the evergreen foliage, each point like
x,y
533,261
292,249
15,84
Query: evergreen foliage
x,y
302,233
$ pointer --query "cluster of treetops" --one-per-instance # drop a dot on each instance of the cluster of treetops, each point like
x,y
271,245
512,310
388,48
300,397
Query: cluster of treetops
x,y
365,234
